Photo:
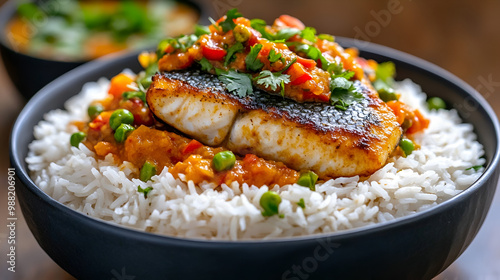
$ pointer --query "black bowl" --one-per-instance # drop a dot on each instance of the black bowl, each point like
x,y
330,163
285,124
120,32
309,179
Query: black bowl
x,y
418,246
29,73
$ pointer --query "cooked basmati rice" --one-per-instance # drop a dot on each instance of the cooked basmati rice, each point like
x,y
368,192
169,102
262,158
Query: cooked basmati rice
x,y
434,173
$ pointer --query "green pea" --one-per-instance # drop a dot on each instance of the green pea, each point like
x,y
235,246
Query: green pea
x,y
270,202
308,180
122,132
407,146
94,110
76,138
148,170
387,94
436,103
224,161
120,116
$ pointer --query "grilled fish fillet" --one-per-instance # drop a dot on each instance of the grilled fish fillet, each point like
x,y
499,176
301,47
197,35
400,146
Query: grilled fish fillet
x,y
304,136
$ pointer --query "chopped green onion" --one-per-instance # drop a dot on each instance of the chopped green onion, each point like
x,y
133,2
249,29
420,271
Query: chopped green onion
x,y
270,202
144,191
122,132
301,203
94,110
148,170
224,161
134,94
308,180
436,103
407,146
120,116
76,138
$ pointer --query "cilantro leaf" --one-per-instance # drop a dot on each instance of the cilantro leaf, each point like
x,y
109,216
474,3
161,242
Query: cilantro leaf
x,y
228,23
201,30
285,34
260,25
273,56
238,47
144,191
343,91
309,34
205,65
237,83
252,62
273,80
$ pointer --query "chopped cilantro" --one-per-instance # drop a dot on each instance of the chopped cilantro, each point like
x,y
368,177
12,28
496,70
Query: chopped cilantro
x,y
260,25
205,65
231,52
301,203
475,167
252,62
228,24
144,191
284,34
273,80
343,91
201,30
273,57
309,34
237,83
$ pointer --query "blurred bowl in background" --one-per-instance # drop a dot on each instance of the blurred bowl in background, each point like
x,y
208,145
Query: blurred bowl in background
x,y
43,41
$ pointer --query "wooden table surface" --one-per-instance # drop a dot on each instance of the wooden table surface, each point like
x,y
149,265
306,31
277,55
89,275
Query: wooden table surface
x,y
460,36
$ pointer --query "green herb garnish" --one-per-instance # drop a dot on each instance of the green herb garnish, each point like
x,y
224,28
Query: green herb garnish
x,y
475,167
205,65
237,83
228,24
231,52
273,80
144,191
273,57
301,203
343,91
252,62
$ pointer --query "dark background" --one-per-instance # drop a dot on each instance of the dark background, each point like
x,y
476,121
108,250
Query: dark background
x,y
461,36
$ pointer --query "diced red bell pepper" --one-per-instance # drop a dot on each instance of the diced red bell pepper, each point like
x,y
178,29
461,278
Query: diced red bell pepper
x,y
191,146
101,120
298,75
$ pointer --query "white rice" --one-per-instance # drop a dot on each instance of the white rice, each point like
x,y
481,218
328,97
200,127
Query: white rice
x,y
98,188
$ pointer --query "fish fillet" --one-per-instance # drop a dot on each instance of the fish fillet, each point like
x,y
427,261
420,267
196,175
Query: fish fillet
x,y
304,136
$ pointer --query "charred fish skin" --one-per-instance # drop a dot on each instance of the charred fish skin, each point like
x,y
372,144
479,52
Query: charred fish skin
x,y
304,136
